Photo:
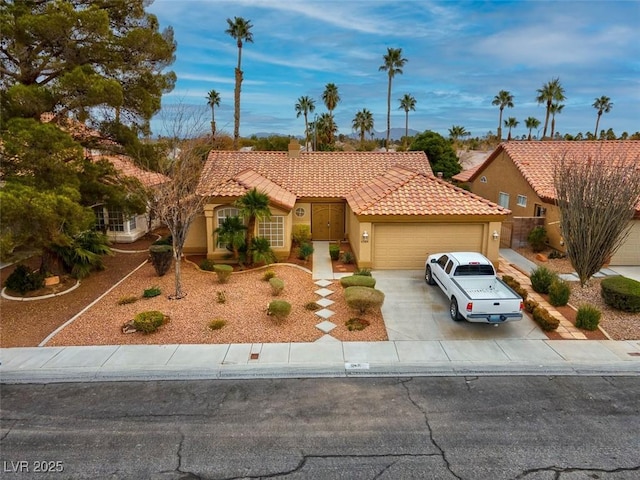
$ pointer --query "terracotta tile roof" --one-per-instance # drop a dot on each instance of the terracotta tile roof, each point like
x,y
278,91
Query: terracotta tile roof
x,y
279,196
403,192
536,160
127,168
311,174
466,175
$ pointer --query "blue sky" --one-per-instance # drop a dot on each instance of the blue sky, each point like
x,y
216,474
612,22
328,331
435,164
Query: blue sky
x,y
460,55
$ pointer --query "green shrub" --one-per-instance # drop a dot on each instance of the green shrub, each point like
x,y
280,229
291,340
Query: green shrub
x,y
305,250
312,306
521,291
150,321
334,251
217,324
168,240
537,239
221,297
223,272
268,275
559,293
541,279
621,293
509,280
366,272
530,305
301,234
161,258
127,300
588,317
151,292
277,286
357,324
207,264
279,309
543,318
358,281
23,280
363,298
261,251
347,258
556,254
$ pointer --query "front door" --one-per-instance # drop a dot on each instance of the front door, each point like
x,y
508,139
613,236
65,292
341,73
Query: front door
x,y
327,221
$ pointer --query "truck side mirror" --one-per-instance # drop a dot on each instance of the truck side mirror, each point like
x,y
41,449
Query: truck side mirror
x,y
433,260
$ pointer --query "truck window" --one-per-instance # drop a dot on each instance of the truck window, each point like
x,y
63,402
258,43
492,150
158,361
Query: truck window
x,y
442,261
449,267
468,270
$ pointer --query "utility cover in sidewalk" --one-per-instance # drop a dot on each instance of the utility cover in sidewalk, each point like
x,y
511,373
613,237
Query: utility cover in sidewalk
x,y
326,326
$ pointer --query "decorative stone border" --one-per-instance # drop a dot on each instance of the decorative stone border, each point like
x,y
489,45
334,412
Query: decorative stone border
x,y
42,297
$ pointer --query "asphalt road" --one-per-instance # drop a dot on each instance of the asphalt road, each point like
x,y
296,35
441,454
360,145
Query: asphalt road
x,y
533,428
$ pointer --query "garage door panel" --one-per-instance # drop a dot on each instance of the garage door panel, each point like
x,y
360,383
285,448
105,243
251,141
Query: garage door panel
x,y
405,246
629,252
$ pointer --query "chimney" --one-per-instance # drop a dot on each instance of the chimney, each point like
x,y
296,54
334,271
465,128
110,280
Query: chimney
x,y
439,174
294,148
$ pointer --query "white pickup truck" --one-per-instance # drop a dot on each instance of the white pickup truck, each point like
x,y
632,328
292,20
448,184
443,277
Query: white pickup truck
x,y
476,294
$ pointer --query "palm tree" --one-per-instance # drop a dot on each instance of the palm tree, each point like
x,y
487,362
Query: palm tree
x,y
240,30
502,99
231,233
331,98
510,122
253,206
407,102
363,122
213,100
531,123
393,63
457,131
550,92
325,128
555,108
304,106
603,105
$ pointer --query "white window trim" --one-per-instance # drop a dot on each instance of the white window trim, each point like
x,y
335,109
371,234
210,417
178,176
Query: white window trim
x,y
502,195
522,201
273,230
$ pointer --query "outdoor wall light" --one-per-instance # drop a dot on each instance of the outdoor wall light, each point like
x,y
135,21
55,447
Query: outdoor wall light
x,y
365,237
495,234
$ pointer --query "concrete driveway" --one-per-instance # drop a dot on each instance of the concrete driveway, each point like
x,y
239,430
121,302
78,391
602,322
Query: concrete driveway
x,y
413,310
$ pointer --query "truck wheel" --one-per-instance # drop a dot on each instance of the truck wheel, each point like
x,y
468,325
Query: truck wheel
x,y
453,310
428,276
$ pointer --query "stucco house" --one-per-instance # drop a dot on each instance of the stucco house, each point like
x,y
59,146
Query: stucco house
x,y
390,206
518,175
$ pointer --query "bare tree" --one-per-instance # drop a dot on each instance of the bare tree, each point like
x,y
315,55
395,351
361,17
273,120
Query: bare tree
x,y
597,196
176,202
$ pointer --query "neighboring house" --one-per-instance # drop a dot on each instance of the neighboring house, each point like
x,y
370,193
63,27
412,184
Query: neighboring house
x,y
519,175
388,205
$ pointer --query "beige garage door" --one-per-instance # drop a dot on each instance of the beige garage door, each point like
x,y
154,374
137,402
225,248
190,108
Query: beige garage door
x,y
406,245
629,252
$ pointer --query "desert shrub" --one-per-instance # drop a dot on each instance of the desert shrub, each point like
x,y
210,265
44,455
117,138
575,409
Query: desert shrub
x,y
268,275
161,257
312,306
621,293
366,272
553,254
363,298
541,279
509,280
223,272
347,257
521,291
305,250
261,251
277,286
357,324
559,293
358,281
279,309
221,297
207,264
301,234
151,292
150,321
543,318
334,251
217,324
127,300
530,305
537,239
23,280
588,317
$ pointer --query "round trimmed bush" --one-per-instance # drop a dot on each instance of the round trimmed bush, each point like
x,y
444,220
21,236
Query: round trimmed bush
x,y
223,272
161,258
358,281
279,309
530,305
541,279
588,317
537,239
150,321
23,280
334,251
356,324
621,293
543,318
559,293
363,298
277,285
207,265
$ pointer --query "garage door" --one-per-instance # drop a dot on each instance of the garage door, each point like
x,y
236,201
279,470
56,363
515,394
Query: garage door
x,y
629,252
406,245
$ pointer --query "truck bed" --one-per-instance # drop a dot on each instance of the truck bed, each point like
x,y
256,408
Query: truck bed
x,y
483,289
